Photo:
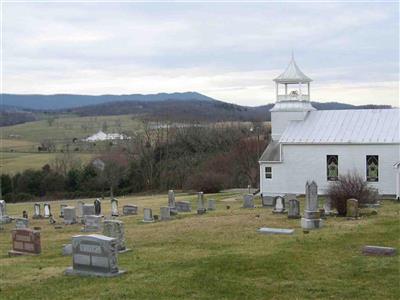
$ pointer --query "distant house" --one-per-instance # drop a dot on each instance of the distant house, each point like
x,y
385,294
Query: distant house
x,y
102,136
321,145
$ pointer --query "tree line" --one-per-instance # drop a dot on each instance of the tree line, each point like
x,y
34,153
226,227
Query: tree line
x,y
207,158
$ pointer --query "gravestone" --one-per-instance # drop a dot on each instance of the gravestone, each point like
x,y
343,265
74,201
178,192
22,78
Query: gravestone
x,y
79,211
201,209
114,207
52,220
328,206
352,208
279,205
69,215
379,251
211,204
3,213
47,210
92,223
25,241
267,200
97,207
67,249
290,196
36,211
88,210
294,209
311,219
115,229
171,202
267,230
21,223
165,213
148,215
248,201
129,209
183,206
62,206
2,208
94,255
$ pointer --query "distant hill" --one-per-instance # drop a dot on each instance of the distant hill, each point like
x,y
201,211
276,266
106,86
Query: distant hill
x,y
62,101
182,107
196,110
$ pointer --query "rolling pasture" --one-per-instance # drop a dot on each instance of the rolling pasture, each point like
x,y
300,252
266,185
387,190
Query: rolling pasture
x,y
19,143
218,255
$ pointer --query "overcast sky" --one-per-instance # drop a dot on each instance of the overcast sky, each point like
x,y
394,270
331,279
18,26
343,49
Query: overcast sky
x,y
228,51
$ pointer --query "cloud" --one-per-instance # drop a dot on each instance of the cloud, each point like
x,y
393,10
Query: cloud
x,y
230,51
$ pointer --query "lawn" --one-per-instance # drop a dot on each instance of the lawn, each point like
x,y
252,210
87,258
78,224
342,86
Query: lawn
x,y
214,256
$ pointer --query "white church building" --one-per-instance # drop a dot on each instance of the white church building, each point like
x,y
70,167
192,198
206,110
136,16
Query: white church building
x,y
308,144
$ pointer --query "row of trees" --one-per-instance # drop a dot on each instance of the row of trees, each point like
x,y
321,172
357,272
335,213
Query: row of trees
x,y
157,158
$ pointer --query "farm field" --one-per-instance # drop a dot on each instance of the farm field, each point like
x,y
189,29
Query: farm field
x,y
12,162
218,255
19,143
67,128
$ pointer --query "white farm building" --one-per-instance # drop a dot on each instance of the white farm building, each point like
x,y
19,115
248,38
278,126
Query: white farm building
x,y
321,145
102,136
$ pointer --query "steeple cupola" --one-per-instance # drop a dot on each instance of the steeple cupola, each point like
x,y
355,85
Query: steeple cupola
x,y
292,98
292,84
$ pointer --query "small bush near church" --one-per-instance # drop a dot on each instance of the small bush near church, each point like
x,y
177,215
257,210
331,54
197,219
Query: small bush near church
x,y
350,186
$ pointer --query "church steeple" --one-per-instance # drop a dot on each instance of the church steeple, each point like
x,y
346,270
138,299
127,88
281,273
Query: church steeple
x,y
289,84
292,98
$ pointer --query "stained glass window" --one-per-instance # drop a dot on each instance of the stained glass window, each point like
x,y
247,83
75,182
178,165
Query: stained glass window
x,y
268,172
372,167
332,167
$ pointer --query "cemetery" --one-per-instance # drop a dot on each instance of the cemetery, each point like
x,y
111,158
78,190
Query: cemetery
x,y
282,250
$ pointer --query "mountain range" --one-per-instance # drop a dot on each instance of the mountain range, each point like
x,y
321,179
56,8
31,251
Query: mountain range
x,y
62,101
177,107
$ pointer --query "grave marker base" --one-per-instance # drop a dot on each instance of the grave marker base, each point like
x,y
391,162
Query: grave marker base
x,y
311,223
20,253
70,271
267,230
148,221
294,217
201,211
282,212
379,251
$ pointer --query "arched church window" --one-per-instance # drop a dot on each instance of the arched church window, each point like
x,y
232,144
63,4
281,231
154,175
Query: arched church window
x,y
332,167
372,168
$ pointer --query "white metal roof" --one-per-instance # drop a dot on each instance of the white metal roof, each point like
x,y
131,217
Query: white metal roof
x,y
292,74
365,126
272,153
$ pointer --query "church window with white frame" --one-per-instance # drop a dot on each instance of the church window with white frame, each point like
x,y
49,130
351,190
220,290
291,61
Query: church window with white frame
x,y
372,168
332,167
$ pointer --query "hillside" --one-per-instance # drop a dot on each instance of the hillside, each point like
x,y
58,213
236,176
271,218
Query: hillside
x,y
178,107
196,110
62,101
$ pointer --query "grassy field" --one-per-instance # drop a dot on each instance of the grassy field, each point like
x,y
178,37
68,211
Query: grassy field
x,y
67,128
215,256
19,143
12,162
